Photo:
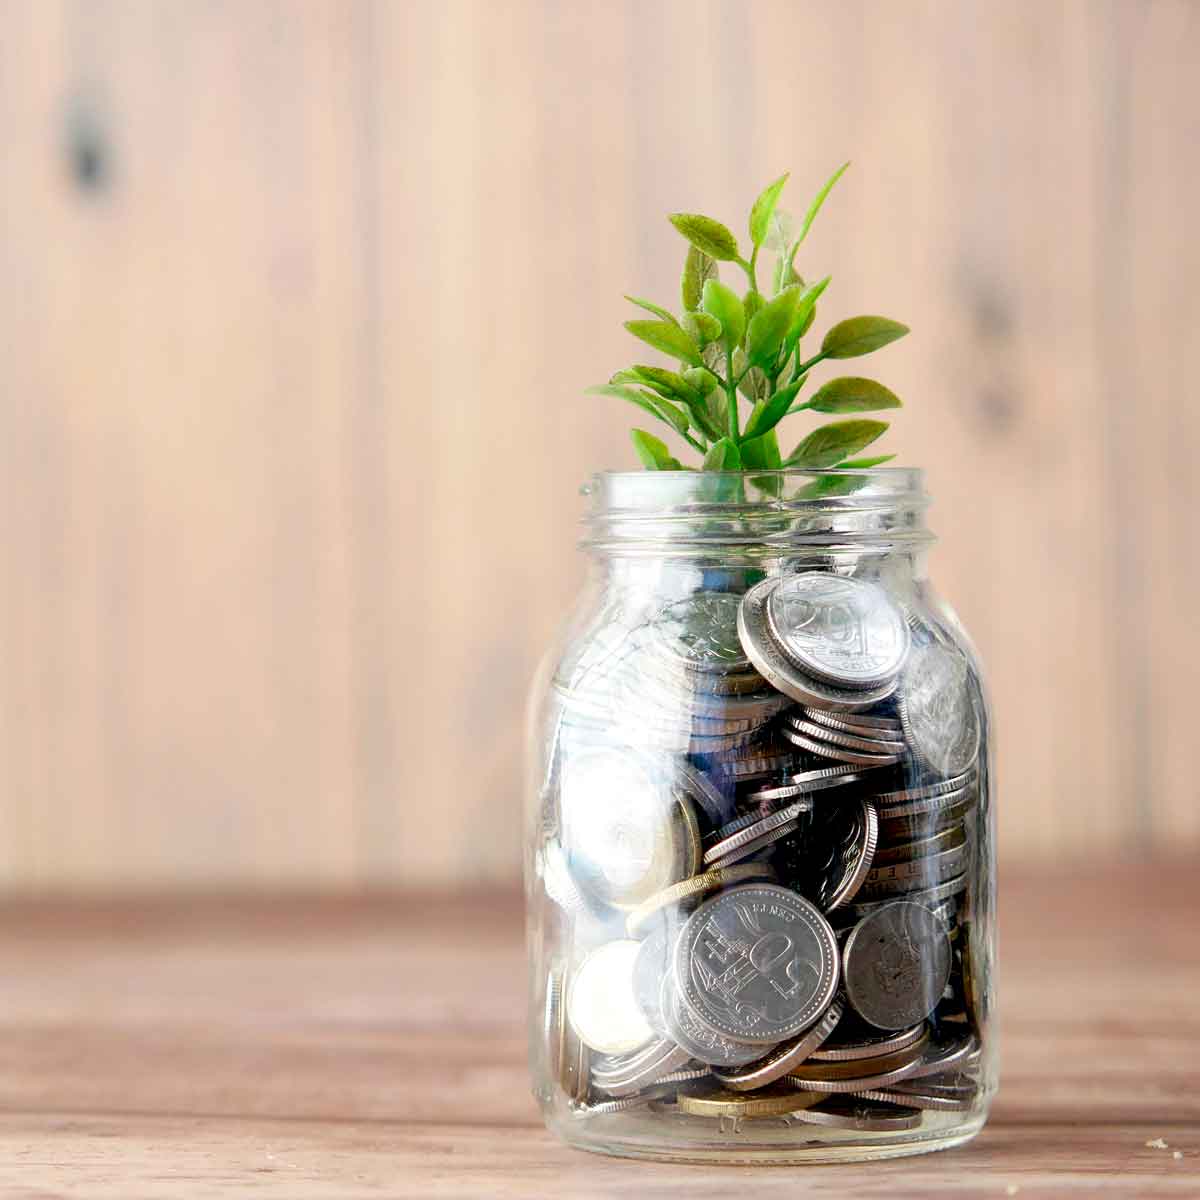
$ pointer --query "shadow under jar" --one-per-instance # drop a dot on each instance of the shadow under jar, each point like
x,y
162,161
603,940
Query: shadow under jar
x,y
759,834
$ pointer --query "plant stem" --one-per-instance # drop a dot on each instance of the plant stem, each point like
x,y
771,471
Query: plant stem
x,y
801,367
750,268
731,393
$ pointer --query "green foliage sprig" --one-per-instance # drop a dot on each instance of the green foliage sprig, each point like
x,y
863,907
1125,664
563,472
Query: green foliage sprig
x,y
736,350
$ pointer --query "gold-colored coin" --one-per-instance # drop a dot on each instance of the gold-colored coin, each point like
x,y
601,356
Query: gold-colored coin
x,y
861,1068
689,889
775,1100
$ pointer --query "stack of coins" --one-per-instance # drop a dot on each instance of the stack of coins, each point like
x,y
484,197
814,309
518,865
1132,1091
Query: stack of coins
x,y
759,830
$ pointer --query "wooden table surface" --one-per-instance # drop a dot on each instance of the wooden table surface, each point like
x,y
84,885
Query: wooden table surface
x,y
374,1047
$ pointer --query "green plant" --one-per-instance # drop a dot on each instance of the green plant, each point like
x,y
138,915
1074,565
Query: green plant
x,y
746,350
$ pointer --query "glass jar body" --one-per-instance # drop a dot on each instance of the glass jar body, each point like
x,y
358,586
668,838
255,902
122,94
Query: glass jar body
x,y
759,836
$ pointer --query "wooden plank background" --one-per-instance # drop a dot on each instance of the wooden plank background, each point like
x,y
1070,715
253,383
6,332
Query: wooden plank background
x,y
297,300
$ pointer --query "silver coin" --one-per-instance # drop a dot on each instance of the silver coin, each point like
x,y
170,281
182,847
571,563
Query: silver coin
x,y
914,873
860,723
907,828
757,962
738,838
844,883
926,791
856,1112
697,1037
845,631
958,802
650,965
782,673
937,708
850,1086
754,762
928,897
869,1048
601,1004
784,1057
952,1057
626,834
555,874
875,745
827,777
916,1099
956,835
701,631
760,843
768,797
661,1059
896,963
841,754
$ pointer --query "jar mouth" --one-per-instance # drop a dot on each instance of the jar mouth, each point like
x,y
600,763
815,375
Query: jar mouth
x,y
657,511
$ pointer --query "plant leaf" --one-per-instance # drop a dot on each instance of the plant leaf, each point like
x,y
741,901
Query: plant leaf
x,y
665,382
828,444
701,380
708,236
850,394
654,454
668,338
766,332
698,268
832,485
701,327
780,232
723,456
806,307
650,307
769,412
764,208
752,383
815,206
762,453
863,463
656,406
752,302
860,335
722,302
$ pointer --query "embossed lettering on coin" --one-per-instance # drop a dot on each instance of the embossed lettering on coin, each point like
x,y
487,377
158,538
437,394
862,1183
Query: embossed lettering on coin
x,y
757,962
845,630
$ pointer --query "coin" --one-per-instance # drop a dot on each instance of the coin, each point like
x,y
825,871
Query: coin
x,y
710,1100
784,1057
764,825
928,898
554,1017
702,792
697,1037
845,631
650,1066
826,777
915,1099
556,879
954,1056
896,963
765,799
822,1070
652,962
819,733
937,708
688,889
856,1112
836,855
856,723
916,873
757,962
701,632
626,835
782,673
870,1048
850,1086
759,843
926,791
948,839
842,754
601,1005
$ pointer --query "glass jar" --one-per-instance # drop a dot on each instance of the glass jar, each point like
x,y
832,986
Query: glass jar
x,y
759,832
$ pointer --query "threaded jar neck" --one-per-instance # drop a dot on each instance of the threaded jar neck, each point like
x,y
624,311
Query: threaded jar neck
x,y
767,514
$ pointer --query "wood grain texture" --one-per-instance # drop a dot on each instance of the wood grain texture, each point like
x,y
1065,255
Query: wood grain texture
x,y
353,1047
297,304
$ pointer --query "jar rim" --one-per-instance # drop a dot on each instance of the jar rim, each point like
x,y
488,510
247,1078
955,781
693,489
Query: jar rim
x,y
883,506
